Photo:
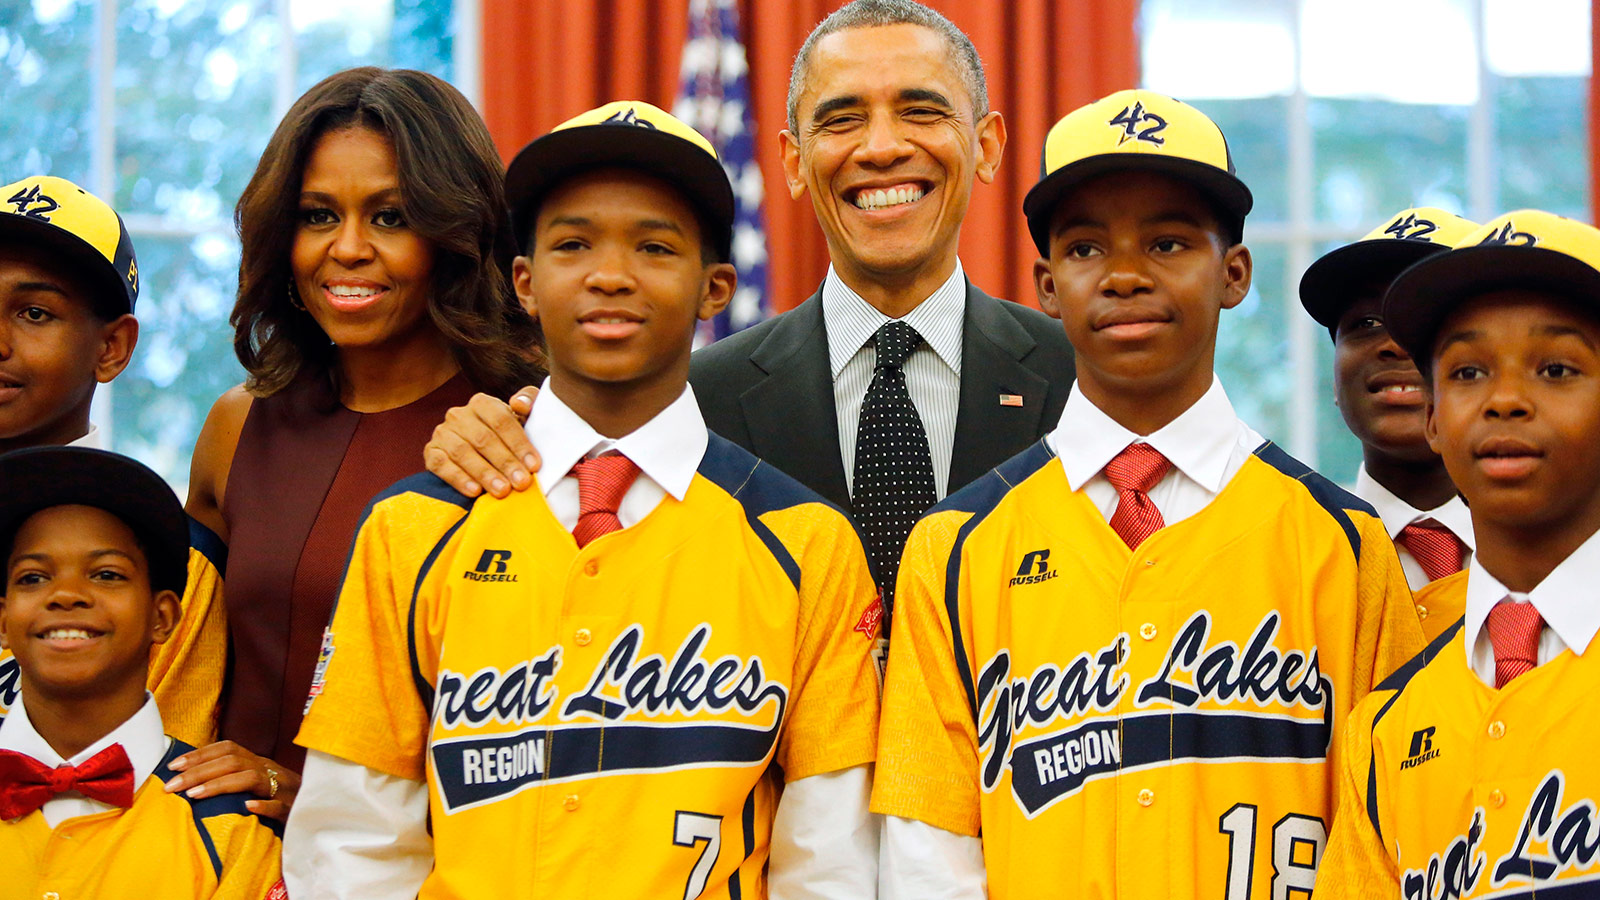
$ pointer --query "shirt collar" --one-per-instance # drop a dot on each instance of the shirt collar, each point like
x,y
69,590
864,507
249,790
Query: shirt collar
x,y
852,321
1562,598
142,737
90,440
1199,442
1396,514
668,448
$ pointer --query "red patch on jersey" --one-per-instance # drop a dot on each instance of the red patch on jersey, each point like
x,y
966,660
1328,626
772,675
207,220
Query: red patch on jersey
x,y
872,618
278,892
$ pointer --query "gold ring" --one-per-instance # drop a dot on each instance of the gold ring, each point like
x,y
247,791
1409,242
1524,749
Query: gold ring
x,y
272,783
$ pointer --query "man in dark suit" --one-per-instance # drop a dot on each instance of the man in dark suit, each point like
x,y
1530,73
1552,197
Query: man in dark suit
x,y
889,126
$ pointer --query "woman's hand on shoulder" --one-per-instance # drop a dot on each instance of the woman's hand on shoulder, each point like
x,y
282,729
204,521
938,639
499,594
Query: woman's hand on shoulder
x,y
484,444
227,768
213,458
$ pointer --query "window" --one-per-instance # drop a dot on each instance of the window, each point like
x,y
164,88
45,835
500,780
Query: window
x,y
1340,112
163,107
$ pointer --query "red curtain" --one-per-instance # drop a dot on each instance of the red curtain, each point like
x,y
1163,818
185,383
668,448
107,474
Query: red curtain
x,y
546,62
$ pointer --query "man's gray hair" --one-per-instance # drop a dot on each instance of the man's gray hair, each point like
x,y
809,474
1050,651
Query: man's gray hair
x,y
874,13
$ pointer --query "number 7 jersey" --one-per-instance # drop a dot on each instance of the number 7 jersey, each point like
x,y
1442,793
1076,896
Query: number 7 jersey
x,y
1142,724
615,720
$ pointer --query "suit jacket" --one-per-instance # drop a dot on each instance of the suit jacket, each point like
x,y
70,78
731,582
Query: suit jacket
x,y
769,389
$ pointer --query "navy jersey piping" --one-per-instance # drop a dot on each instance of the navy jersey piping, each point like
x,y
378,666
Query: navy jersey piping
x,y
424,689
206,542
980,498
1397,681
205,808
1334,499
759,488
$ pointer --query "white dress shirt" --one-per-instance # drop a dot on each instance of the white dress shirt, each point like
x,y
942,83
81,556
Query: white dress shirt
x,y
358,833
933,371
90,440
1396,514
1207,444
1564,600
141,737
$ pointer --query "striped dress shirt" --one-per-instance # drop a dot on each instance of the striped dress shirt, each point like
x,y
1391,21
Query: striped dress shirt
x,y
933,371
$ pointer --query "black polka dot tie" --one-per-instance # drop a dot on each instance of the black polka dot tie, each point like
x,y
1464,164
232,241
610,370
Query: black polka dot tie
x,y
893,484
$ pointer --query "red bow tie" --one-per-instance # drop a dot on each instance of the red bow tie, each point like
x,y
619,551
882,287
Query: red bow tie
x,y
27,784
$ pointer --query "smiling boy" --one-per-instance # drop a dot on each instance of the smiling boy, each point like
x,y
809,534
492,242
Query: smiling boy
x,y
1471,772
69,280
601,686
1380,393
96,555
1124,656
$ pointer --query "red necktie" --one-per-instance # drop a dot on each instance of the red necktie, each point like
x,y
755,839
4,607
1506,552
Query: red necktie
x,y
1514,632
1435,548
601,483
27,784
1133,472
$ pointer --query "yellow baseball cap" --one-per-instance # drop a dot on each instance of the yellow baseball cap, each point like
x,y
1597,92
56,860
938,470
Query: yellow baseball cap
x,y
632,134
1328,287
1135,129
60,215
1528,248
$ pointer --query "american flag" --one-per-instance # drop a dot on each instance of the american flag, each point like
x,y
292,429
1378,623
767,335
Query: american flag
x,y
714,97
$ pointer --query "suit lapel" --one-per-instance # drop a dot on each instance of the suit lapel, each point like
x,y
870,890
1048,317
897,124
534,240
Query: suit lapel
x,y
791,414
988,433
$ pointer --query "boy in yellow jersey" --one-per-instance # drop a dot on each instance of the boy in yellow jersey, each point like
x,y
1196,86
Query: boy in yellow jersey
x,y
1122,657
1471,771
97,550
601,687
1379,391
68,283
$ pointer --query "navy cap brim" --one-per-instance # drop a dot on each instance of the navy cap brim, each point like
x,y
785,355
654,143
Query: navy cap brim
x,y
39,478
1226,190
112,294
559,155
1329,285
1423,297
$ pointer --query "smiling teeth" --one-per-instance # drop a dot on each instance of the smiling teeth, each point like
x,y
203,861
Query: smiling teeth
x,y
892,197
608,320
67,634
342,290
1397,389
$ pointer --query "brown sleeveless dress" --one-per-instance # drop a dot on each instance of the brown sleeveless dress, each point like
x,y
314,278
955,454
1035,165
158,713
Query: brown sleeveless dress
x,y
302,474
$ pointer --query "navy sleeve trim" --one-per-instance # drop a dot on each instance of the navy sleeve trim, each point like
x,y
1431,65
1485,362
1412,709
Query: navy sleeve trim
x,y
209,807
1397,681
208,544
1336,500
424,687
980,498
759,488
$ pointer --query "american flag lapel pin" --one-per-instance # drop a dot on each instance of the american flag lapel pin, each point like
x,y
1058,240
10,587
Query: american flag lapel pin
x,y
1010,399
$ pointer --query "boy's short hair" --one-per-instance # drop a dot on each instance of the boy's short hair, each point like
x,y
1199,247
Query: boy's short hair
x,y
1527,249
1329,286
40,478
1137,130
628,134
85,234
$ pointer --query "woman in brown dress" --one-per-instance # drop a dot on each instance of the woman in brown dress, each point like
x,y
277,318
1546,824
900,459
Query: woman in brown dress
x,y
373,296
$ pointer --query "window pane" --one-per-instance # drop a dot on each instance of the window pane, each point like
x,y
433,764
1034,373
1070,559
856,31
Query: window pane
x,y
1259,142
1253,348
1542,144
45,103
1372,158
330,37
194,98
184,360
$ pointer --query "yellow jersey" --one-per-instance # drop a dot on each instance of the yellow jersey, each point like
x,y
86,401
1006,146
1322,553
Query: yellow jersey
x,y
1136,723
1453,789
186,671
616,720
1441,604
164,847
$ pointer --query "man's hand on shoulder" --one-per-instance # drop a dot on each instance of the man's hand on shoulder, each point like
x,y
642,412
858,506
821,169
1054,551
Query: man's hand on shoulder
x,y
483,444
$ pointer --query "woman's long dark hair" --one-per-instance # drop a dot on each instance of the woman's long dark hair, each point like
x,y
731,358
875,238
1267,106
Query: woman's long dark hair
x,y
452,192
